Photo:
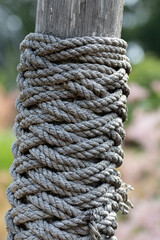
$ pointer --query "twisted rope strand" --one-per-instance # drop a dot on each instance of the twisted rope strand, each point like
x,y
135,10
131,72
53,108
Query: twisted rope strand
x,y
69,131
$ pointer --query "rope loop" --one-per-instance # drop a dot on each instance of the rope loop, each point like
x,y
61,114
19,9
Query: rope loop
x,y
69,131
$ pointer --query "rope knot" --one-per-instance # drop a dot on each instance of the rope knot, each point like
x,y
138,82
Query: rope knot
x,y
91,219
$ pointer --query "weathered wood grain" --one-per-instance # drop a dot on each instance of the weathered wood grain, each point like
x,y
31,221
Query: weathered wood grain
x,y
71,18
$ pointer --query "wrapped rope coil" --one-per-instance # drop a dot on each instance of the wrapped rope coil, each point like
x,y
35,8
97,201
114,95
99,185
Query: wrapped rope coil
x,y
69,131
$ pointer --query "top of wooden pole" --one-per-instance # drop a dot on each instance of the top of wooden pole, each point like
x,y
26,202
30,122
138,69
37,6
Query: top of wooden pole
x,y
76,18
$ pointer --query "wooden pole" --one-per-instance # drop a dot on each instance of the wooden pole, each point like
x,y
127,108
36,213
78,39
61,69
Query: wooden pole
x,y
76,18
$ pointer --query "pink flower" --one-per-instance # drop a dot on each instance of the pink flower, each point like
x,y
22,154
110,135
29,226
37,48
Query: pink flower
x,y
143,222
145,129
137,92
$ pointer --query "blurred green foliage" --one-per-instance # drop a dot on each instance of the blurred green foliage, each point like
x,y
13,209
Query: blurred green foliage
x,y
146,71
141,24
6,140
17,19
144,74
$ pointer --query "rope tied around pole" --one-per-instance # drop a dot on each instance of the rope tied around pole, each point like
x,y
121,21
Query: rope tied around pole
x,y
69,131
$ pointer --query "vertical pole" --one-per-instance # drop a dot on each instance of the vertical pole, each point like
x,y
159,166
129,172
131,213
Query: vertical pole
x,y
76,18
32,215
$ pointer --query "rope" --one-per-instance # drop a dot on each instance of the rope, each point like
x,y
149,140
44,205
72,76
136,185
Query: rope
x,y
69,131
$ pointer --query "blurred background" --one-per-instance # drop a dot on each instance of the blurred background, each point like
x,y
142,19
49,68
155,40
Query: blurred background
x,y
141,166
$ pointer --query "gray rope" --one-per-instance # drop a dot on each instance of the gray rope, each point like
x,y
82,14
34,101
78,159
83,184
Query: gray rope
x,y
69,131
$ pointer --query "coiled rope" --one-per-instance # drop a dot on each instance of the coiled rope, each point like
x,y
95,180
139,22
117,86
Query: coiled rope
x,y
69,131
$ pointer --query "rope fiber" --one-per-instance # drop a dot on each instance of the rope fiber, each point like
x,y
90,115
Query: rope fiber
x,y
69,131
